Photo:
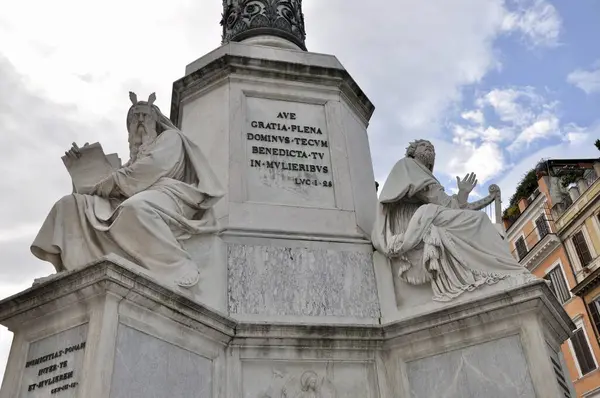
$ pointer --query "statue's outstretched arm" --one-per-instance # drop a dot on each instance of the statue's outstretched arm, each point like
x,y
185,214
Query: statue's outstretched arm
x,y
436,195
494,194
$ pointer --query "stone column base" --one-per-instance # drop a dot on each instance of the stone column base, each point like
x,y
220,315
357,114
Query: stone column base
x,y
109,331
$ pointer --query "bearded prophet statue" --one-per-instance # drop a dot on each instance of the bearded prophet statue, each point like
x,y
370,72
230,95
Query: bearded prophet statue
x,y
433,238
164,194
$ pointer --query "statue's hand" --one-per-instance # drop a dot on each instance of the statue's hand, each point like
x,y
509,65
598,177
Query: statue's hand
x,y
467,184
74,152
105,187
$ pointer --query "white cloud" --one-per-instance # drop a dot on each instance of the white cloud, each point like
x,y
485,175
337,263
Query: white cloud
x,y
5,335
575,134
432,50
522,116
537,20
546,126
486,160
476,116
512,105
587,80
19,232
466,135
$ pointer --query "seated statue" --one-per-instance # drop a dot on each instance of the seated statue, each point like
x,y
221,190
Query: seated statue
x,y
432,238
164,194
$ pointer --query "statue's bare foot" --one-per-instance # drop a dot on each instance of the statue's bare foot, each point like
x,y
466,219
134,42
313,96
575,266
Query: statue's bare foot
x,y
189,278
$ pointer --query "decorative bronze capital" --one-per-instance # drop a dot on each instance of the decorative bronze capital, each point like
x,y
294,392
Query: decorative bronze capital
x,y
243,19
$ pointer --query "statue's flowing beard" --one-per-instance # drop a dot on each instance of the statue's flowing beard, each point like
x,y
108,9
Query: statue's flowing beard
x,y
427,159
143,136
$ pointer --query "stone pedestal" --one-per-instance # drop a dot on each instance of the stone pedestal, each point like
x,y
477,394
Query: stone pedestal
x,y
109,331
286,133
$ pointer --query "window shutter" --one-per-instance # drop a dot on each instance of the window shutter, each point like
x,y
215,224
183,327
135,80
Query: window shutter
x,y
581,247
521,248
593,306
542,226
582,352
558,284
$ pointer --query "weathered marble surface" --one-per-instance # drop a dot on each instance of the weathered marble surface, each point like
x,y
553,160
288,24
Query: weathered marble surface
x,y
146,367
271,280
289,379
496,369
61,343
207,354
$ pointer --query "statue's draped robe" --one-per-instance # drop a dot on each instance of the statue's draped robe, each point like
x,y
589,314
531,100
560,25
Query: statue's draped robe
x,y
165,195
430,239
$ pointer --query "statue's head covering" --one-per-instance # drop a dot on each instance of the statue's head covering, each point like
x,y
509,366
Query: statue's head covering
x,y
200,174
162,122
407,178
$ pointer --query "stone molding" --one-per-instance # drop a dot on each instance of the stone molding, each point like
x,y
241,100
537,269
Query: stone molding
x,y
531,297
540,251
244,19
242,61
122,279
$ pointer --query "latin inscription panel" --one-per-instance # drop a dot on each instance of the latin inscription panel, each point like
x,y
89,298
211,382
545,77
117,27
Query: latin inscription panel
x,y
54,365
287,154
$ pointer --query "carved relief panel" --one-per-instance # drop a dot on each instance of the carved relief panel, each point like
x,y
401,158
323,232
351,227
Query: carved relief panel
x,y
308,380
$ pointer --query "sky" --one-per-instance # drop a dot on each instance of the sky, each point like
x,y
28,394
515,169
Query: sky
x,y
496,85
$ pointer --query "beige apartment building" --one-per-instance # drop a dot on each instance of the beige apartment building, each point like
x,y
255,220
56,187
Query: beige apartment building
x,y
556,235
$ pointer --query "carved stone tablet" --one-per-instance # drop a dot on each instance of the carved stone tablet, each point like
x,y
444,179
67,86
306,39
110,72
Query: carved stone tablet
x,y
288,156
54,365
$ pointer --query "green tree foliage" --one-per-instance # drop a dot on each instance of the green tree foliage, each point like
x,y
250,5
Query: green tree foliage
x,y
569,179
525,188
527,185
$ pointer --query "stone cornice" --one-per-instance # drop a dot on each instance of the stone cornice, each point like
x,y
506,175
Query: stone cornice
x,y
120,278
587,284
532,296
284,65
540,251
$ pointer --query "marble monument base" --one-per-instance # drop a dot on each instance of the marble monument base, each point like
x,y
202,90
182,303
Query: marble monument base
x,y
108,330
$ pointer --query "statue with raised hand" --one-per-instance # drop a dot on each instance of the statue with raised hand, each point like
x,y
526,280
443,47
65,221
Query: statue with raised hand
x,y
434,238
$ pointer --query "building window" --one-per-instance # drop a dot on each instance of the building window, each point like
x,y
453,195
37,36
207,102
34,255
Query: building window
x,y
594,307
581,247
521,248
558,284
542,226
582,350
